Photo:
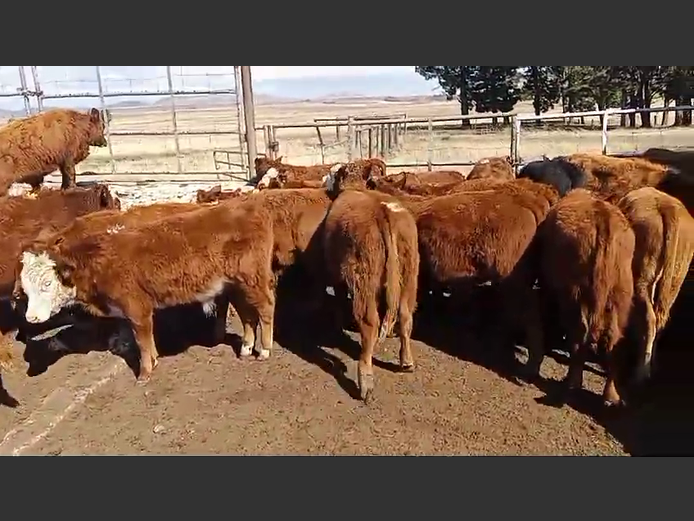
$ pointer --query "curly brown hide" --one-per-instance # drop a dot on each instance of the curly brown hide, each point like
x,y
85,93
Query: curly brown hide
x,y
21,220
194,256
216,194
493,168
370,245
400,187
33,147
405,180
664,232
611,178
585,247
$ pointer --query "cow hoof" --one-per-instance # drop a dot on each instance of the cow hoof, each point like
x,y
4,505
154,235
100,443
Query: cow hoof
x,y
612,404
263,354
143,380
407,368
246,351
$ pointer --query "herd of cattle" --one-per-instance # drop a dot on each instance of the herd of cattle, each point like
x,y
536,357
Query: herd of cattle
x,y
585,252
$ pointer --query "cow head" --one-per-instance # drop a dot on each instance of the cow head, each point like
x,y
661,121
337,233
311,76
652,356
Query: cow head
x,y
333,179
97,128
46,285
271,174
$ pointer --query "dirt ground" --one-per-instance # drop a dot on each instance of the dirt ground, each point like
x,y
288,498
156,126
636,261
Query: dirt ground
x,y
461,399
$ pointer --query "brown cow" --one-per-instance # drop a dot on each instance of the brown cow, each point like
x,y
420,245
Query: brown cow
x,y
191,257
108,222
394,188
267,169
22,218
493,168
585,247
405,180
33,147
216,194
468,238
664,248
370,244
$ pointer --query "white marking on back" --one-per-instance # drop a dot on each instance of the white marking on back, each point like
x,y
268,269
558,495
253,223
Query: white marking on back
x,y
115,229
393,206
272,173
484,162
209,307
46,295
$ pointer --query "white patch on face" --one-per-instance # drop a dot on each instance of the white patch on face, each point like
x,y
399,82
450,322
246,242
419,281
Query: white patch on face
x,y
115,229
393,207
330,179
272,173
484,162
46,295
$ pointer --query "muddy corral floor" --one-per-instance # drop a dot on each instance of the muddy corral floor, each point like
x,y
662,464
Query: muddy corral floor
x,y
461,399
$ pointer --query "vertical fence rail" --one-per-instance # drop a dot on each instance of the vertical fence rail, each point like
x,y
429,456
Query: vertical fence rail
x,y
174,119
107,123
24,90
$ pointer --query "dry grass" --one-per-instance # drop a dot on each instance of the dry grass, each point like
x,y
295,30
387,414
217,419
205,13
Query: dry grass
x,y
151,154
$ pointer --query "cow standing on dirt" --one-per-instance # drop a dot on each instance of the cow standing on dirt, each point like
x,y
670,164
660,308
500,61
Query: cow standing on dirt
x,y
664,232
192,257
33,147
469,238
585,248
370,245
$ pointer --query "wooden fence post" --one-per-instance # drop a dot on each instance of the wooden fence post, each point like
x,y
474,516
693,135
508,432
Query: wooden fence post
x,y
350,138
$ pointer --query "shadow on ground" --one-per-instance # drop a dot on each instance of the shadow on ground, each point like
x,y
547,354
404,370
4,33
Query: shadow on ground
x,y
175,330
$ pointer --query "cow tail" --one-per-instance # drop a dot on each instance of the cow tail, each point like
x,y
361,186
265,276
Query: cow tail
x,y
670,265
603,273
393,279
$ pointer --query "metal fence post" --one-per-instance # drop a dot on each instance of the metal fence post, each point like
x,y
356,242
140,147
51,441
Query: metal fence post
x,y
239,114
605,121
25,91
37,88
249,117
174,122
107,124
350,138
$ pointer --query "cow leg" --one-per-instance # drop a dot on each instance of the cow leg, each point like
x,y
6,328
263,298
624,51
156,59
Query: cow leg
x,y
610,396
574,377
405,332
266,316
143,329
220,329
368,321
249,322
646,322
534,336
67,170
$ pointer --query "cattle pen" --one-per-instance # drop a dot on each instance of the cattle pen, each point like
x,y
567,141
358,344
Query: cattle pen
x,y
76,391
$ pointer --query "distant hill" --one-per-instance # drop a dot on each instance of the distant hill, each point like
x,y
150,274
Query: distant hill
x,y
327,89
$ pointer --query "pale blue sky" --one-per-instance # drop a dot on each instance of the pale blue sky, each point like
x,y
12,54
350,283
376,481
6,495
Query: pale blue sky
x,y
290,81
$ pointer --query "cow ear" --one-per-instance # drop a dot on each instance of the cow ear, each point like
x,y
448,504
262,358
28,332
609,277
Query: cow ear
x,y
95,115
65,272
279,159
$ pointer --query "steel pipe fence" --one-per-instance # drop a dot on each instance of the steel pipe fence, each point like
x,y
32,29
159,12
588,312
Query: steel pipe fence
x,y
165,122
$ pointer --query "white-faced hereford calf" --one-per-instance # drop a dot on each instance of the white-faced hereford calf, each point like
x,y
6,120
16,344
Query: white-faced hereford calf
x,y
370,245
192,257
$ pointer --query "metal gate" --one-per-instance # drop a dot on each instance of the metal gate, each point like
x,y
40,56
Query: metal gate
x,y
165,122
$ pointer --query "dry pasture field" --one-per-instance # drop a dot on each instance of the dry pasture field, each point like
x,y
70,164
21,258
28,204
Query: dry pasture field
x,y
151,154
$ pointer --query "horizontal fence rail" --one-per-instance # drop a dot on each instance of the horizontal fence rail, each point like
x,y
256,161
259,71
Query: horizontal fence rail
x,y
431,135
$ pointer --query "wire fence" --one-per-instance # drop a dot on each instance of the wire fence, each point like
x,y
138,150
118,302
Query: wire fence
x,y
165,121
443,141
